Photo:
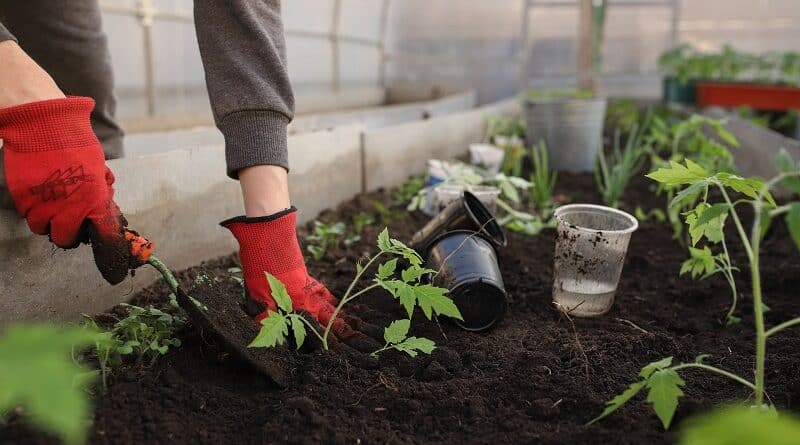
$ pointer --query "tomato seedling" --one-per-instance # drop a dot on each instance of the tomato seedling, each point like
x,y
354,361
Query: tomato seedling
x,y
407,287
705,222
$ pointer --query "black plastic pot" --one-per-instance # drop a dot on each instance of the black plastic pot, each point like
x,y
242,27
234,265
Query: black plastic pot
x,y
467,266
673,90
467,213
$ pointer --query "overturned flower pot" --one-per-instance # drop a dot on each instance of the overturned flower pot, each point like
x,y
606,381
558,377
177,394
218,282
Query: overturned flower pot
x,y
466,264
465,213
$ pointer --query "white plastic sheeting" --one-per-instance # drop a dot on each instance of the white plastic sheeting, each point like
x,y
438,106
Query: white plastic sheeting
x,y
420,48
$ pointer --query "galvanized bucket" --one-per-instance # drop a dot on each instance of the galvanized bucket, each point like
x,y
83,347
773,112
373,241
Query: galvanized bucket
x,y
571,128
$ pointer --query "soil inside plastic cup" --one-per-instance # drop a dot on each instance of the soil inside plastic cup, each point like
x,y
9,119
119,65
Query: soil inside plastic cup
x,y
590,251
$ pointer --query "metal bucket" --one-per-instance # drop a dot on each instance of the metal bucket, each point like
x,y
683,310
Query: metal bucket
x,y
571,128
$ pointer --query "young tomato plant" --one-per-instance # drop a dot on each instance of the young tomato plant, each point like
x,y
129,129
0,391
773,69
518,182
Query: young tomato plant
x,y
661,378
396,336
407,287
544,182
324,236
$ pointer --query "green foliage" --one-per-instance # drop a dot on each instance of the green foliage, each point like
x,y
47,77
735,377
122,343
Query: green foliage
x,y
701,263
623,114
325,235
543,180
147,333
37,373
360,221
408,191
396,336
508,127
407,286
742,426
730,64
560,93
388,215
663,386
614,171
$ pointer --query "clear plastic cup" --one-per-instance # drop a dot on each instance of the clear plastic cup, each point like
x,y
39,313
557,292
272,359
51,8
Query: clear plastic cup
x,y
590,251
447,193
487,156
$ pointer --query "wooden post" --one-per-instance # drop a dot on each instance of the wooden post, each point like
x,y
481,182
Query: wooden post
x,y
586,80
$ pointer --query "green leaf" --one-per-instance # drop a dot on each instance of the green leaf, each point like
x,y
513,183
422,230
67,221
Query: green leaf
x,y
701,358
432,299
298,329
742,426
37,372
689,194
386,269
413,345
749,187
664,387
413,273
710,229
274,330
785,164
659,364
732,320
678,174
407,298
793,222
397,331
384,242
279,293
700,263
615,403
710,214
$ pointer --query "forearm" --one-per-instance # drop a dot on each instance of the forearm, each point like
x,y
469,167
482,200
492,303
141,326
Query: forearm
x,y
244,56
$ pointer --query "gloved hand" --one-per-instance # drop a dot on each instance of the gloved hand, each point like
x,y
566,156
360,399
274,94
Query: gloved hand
x,y
57,177
269,244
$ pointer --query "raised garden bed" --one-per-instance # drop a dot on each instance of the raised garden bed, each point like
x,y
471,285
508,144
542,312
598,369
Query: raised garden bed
x,y
538,377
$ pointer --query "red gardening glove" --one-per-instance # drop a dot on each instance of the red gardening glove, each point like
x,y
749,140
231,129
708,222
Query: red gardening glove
x,y
269,244
57,177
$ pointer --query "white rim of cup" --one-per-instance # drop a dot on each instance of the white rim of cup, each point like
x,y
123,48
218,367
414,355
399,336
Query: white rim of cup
x,y
634,222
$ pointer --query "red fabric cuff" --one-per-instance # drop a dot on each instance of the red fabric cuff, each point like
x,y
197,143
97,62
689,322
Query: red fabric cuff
x,y
46,125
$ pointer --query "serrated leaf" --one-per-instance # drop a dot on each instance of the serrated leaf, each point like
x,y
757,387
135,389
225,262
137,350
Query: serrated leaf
x,y
413,274
384,242
274,330
279,293
711,230
413,345
700,262
299,330
664,387
793,222
712,213
408,298
619,400
651,367
386,269
397,331
746,186
432,299
678,174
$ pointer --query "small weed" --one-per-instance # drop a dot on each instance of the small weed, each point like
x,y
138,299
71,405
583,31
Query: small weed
x,y
325,235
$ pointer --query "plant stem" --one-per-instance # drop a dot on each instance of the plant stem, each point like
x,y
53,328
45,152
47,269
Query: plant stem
x,y
738,223
715,370
345,298
782,326
312,328
728,272
165,272
758,308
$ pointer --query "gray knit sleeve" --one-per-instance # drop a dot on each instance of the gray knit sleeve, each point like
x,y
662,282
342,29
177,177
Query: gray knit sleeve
x,y
244,57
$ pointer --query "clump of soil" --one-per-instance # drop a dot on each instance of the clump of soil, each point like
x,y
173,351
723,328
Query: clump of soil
x,y
536,378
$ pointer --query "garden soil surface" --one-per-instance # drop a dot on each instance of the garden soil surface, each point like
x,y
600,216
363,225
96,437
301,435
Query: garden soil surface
x,y
538,377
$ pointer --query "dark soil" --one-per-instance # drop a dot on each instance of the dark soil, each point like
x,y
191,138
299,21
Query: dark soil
x,y
536,378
